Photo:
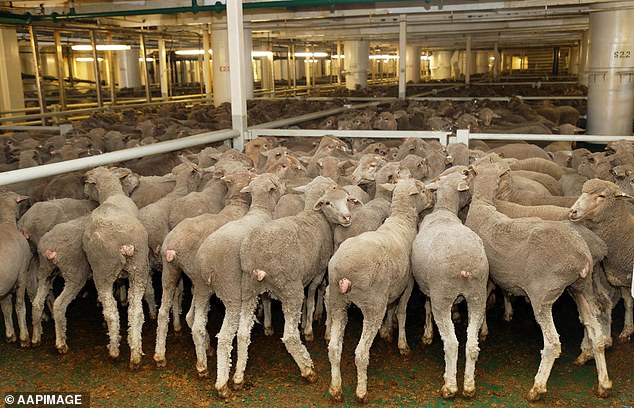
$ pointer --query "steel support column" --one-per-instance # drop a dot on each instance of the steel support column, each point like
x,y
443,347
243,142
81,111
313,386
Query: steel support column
x,y
402,46
236,60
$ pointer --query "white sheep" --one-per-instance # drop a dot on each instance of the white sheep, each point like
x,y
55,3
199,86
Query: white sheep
x,y
372,270
218,261
539,259
115,242
448,261
283,257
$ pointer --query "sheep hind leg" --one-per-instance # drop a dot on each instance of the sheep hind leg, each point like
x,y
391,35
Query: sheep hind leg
x,y
7,310
428,333
401,315
170,276
387,325
111,316
371,324
508,307
628,327
310,309
150,298
551,351
245,326
199,327
589,313
223,350
446,329
477,312
292,313
586,349
138,277
37,310
339,318
177,306
268,322
319,304
70,292
20,311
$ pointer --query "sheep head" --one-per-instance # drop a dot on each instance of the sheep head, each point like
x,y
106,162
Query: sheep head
x,y
335,206
597,196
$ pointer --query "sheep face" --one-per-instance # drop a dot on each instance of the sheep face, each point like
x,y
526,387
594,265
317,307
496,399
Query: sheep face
x,y
266,183
391,173
236,182
596,196
367,168
335,206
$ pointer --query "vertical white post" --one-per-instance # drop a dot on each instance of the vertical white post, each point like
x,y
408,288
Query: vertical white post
x,y
412,64
496,62
128,63
356,63
165,93
462,136
12,95
59,64
248,65
35,53
583,58
207,63
237,63
221,63
402,60
339,62
467,68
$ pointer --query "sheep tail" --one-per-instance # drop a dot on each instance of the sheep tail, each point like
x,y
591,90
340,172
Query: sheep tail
x,y
49,254
170,254
586,269
127,250
259,274
344,285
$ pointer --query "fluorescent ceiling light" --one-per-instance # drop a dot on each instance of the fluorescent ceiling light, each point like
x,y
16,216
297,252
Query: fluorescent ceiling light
x,y
100,47
311,54
147,59
338,56
87,59
191,52
255,54
311,60
424,57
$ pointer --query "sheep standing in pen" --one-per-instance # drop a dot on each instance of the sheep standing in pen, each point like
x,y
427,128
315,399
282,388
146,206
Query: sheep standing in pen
x,y
115,242
13,270
372,270
60,248
283,257
218,260
605,210
539,259
448,261
178,253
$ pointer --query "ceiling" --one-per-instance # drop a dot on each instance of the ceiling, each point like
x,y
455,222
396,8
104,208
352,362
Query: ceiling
x,y
430,23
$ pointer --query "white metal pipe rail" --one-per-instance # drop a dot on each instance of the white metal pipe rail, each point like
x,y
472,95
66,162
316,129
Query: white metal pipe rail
x,y
47,170
442,136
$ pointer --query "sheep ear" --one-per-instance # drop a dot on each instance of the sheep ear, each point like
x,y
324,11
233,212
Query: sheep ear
x,y
228,180
319,204
300,189
463,186
354,201
388,186
432,186
120,172
19,198
623,196
246,189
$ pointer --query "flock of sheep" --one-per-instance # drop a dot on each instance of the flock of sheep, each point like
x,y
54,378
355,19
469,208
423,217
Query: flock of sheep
x,y
320,226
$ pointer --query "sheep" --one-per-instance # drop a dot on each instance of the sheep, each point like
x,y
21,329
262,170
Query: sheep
x,y
523,260
460,154
152,188
603,208
218,262
178,256
13,271
60,248
521,151
448,261
209,200
547,181
624,178
115,241
372,270
539,165
285,255
417,166
545,212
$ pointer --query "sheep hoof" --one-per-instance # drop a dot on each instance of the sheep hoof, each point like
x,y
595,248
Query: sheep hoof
x,y
602,392
237,386
160,361
309,337
508,317
63,349
337,395
362,399
177,325
12,339
209,351
583,358
405,351
469,393
25,343
36,343
311,377
203,373
534,395
427,340
624,338
268,331
113,353
224,392
447,393
482,337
